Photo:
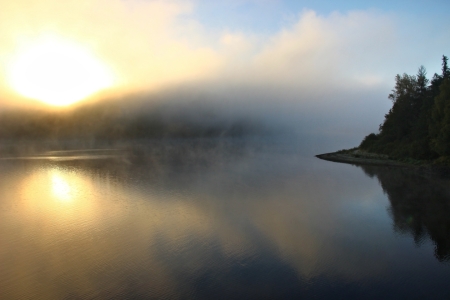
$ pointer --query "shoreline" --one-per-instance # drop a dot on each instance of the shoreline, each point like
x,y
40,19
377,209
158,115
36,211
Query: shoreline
x,y
357,157
349,158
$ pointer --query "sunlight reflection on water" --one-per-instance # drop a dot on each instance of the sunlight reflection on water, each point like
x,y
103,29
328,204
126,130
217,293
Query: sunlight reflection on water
x,y
61,188
215,224
58,194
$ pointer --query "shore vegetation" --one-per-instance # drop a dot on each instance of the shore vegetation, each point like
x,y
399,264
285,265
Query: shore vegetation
x,y
417,127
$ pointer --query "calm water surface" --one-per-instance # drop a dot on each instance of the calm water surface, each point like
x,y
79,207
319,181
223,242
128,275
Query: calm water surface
x,y
219,220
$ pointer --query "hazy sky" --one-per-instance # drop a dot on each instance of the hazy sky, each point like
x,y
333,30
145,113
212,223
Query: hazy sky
x,y
327,64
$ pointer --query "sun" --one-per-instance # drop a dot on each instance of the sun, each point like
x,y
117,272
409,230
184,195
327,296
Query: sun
x,y
58,72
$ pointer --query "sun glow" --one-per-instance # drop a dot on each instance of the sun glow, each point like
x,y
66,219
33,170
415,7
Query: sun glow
x,y
61,189
58,72
62,195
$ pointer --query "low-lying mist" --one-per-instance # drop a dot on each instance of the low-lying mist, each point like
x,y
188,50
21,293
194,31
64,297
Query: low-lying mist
x,y
321,122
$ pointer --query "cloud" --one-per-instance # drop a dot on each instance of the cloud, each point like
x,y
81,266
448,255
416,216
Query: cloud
x,y
158,44
318,71
148,44
317,48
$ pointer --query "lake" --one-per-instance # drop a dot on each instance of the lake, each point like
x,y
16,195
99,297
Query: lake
x,y
219,219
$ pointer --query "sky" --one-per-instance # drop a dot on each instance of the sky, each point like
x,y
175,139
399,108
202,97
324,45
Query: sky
x,y
327,66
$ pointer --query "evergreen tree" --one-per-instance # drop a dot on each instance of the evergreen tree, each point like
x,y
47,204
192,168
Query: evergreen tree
x,y
400,119
440,127
422,81
418,124
420,138
445,69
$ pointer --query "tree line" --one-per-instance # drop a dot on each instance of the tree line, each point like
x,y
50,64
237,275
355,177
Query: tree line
x,y
109,121
418,124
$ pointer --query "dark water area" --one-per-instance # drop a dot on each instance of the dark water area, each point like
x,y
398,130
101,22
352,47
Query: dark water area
x,y
219,219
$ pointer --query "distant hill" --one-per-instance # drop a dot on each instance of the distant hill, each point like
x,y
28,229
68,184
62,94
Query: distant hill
x,y
120,120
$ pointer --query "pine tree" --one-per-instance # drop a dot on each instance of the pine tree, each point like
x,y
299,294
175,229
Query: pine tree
x,y
445,69
418,124
440,128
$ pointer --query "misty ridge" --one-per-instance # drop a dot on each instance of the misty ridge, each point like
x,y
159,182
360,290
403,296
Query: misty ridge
x,y
199,110
127,118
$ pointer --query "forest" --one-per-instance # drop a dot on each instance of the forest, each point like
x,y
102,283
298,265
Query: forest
x,y
417,127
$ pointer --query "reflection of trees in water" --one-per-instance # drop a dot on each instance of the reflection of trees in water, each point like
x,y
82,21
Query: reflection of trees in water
x,y
419,205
